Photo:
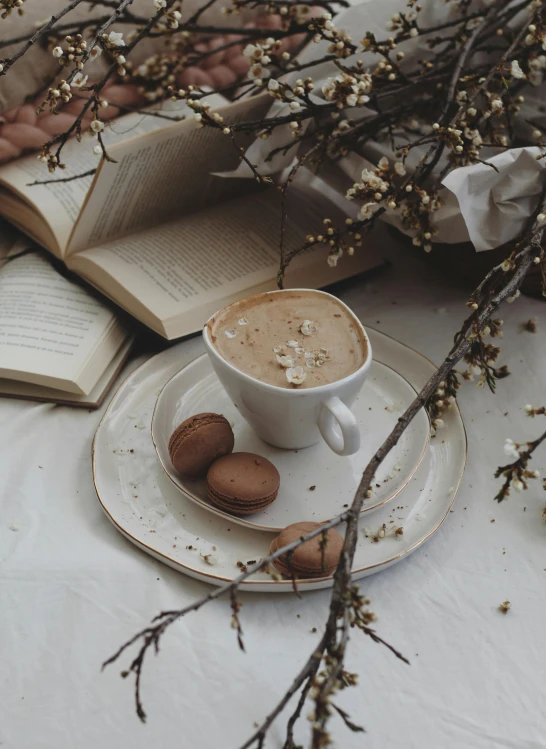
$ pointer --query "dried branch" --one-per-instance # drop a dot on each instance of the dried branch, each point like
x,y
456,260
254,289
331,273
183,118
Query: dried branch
x,y
333,643
8,62
93,100
465,98
516,474
62,179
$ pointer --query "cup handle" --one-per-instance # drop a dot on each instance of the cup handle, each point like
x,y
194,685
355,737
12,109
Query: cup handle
x,y
334,411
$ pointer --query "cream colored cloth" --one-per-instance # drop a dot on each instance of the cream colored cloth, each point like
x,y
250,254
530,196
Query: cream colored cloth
x,y
72,588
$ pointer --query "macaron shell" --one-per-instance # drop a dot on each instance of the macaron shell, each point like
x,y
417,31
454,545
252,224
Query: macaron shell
x,y
308,560
230,505
198,442
242,483
300,572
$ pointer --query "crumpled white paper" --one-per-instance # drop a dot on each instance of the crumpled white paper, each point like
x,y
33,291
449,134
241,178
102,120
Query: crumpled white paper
x,y
496,205
479,204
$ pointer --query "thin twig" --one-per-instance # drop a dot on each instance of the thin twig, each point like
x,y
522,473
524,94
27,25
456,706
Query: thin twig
x,y
62,179
151,635
8,62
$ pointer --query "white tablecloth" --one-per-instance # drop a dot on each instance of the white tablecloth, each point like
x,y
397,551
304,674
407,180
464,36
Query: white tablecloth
x,y
72,589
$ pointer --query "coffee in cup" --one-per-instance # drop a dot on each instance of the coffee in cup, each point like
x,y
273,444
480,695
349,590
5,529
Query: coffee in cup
x,y
297,339
292,362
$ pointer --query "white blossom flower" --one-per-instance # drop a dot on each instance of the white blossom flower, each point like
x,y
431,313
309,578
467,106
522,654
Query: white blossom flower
x,y
512,299
308,327
258,71
515,69
273,85
518,485
253,51
510,449
57,52
97,126
115,38
159,4
529,409
352,100
399,168
367,210
96,51
97,150
295,375
286,361
497,105
329,89
79,80
373,181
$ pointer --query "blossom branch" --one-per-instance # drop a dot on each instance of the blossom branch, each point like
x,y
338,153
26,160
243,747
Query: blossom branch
x,y
8,62
517,474
344,606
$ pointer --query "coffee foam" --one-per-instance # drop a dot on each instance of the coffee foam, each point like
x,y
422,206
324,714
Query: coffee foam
x,y
291,339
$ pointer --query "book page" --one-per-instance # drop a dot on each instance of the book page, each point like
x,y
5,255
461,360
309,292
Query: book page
x,y
183,269
162,176
28,391
50,327
59,203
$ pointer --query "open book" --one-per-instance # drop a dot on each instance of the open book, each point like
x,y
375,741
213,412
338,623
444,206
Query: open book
x,y
157,232
59,341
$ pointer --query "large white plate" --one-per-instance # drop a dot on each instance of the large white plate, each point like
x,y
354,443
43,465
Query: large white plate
x,y
151,512
382,400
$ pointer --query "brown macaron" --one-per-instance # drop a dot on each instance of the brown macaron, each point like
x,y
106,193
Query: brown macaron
x,y
198,442
308,559
242,483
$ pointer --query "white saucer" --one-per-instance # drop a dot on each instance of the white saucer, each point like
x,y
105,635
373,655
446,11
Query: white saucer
x,y
382,400
145,506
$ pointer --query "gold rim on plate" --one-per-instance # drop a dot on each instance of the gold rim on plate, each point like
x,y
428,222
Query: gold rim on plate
x,y
267,528
199,573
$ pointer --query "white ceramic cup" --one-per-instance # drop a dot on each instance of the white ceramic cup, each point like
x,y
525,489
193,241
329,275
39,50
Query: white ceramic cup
x,y
292,418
